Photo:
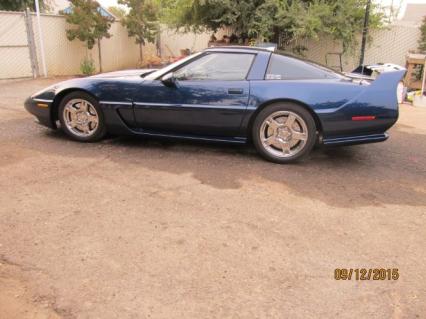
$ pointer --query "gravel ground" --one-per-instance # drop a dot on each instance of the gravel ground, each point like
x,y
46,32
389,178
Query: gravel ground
x,y
134,228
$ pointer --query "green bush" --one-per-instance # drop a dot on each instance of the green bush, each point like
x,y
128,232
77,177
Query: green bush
x,y
87,66
422,40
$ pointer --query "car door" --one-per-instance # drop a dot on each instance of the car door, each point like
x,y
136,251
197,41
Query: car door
x,y
209,96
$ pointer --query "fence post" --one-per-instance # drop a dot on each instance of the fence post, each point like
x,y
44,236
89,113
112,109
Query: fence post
x,y
31,43
40,37
158,42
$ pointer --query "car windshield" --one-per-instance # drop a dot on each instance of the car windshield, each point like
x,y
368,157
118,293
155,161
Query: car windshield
x,y
170,67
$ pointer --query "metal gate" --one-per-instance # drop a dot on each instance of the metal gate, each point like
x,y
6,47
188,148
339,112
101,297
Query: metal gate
x,y
17,51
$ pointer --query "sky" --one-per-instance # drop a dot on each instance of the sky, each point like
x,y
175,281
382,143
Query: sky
x,y
108,3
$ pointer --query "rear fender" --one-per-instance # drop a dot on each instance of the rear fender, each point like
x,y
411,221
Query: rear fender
x,y
382,91
373,110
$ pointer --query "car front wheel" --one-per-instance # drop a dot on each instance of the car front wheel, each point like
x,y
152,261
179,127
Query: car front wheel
x,y
81,117
284,132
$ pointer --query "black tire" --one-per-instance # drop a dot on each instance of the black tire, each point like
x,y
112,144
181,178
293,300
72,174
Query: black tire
x,y
100,130
286,107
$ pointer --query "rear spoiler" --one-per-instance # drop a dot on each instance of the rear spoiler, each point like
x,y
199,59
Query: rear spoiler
x,y
388,79
369,78
382,91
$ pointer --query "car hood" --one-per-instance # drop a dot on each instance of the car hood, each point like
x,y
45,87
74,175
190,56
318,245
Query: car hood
x,y
86,83
124,73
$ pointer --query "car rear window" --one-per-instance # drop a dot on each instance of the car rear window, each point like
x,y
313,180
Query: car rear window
x,y
282,67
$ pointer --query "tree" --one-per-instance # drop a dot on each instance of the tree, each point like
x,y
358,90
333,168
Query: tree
x,y
21,5
422,40
141,21
88,24
271,20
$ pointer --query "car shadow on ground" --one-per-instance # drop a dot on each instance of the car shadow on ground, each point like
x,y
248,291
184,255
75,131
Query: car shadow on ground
x,y
379,174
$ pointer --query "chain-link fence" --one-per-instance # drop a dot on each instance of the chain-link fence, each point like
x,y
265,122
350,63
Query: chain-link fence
x,y
20,54
20,47
392,44
63,57
388,45
15,56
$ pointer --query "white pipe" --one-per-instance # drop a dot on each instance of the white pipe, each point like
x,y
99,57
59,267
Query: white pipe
x,y
40,37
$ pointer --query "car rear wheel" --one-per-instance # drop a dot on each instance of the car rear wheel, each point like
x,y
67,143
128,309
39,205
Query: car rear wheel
x,y
284,132
81,117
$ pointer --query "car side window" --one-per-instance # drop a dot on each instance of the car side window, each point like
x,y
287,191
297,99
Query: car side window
x,y
217,66
285,68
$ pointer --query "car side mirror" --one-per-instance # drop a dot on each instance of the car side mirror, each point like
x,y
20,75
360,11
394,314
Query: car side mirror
x,y
169,80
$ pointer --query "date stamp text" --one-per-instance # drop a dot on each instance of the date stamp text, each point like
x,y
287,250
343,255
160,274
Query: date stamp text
x,y
366,274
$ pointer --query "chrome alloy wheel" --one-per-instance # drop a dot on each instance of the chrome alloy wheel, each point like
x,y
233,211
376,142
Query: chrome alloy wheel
x,y
80,117
283,134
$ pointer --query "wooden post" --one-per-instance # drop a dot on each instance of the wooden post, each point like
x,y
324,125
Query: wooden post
x,y
40,36
365,32
31,44
423,78
100,55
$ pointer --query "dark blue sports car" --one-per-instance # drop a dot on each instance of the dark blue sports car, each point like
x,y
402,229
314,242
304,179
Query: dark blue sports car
x,y
232,94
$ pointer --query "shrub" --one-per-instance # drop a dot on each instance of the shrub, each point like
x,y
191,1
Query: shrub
x,y
87,66
422,40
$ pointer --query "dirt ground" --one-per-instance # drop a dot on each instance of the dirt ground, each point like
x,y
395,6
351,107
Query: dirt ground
x,y
134,228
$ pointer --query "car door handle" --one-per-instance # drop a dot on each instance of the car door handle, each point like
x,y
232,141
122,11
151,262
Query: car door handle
x,y
235,91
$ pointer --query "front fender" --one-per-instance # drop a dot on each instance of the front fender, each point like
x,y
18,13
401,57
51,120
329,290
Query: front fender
x,y
115,97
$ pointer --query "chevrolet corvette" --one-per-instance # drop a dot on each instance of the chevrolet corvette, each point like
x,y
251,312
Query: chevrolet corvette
x,y
283,105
